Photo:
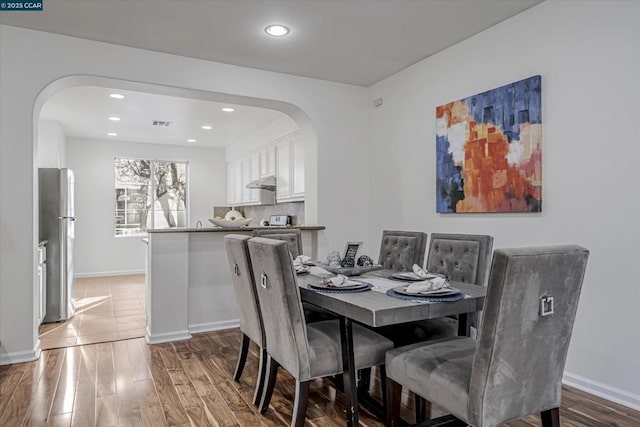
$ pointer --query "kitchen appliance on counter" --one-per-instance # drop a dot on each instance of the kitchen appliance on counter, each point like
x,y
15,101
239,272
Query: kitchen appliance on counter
x,y
280,220
56,189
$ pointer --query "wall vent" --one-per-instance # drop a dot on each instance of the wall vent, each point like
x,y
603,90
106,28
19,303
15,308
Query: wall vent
x,y
161,123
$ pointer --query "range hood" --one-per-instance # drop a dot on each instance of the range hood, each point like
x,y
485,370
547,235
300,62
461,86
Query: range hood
x,y
266,183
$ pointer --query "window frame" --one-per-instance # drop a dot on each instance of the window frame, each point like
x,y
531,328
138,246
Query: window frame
x,y
152,189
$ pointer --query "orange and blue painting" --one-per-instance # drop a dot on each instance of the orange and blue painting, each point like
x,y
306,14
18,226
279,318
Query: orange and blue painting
x,y
489,151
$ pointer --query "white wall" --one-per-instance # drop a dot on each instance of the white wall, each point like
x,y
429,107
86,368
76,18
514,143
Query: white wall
x,y
588,55
335,114
51,145
98,251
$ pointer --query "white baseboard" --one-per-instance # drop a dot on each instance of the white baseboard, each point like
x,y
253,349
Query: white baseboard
x,y
166,337
613,394
214,326
109,273
21,356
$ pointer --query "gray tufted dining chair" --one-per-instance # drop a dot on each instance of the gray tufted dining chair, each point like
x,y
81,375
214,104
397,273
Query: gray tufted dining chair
x,y
249,311
462,258
292,236
515,366
306,351
399,250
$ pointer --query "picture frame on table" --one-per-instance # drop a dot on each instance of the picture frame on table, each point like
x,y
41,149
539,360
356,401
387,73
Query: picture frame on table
x,y
350,253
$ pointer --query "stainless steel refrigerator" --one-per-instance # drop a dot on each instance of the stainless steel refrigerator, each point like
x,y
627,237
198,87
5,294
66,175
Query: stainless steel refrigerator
x,y
56,189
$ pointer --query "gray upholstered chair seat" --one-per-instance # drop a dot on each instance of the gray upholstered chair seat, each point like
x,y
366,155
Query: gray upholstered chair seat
x,y
412,332
325,349
439,370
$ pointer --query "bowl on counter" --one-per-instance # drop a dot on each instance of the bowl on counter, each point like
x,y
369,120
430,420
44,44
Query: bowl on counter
x,y
231,224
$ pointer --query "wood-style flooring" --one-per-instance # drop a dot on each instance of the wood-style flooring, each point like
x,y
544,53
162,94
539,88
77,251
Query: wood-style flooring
x,y
189,383
107,309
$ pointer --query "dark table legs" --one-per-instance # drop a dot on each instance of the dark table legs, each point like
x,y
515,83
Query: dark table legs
x,y
464,326
349,371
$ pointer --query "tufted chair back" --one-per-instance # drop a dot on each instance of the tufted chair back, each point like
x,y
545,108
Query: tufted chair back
x,y
292,236
279,297
244,287
399,250
521,353
462,257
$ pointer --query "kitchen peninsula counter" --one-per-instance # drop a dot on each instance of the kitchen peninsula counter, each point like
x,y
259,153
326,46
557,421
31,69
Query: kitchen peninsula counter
x,y
188,281
235,229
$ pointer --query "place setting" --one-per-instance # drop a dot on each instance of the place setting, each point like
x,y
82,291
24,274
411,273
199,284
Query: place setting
x,y
339,284
424,286
416,275
302,265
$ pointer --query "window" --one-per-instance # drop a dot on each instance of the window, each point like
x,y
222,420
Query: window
x,y
146,200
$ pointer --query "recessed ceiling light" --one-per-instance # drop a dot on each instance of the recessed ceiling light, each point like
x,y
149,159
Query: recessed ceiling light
x,y
207,127
116,95
112,134
228,110
276,30
114,119
191,140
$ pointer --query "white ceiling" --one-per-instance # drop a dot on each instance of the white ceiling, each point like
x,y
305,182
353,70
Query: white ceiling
x,y
351,41
84,112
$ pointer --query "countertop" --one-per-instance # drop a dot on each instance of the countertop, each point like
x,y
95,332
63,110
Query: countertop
x,y
235,229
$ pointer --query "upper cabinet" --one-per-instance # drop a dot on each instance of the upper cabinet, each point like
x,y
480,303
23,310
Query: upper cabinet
x,y
268,161
284,159
234,183
290,170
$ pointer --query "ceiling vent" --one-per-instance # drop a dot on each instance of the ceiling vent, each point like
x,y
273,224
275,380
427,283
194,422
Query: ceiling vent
x,y
161,123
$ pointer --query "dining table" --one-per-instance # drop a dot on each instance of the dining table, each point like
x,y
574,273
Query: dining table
x,y
374,308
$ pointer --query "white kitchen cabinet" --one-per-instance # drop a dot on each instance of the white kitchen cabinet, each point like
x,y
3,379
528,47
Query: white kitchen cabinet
x,y
297,174
290,170
252,173
268,161
234,183
283,168
231,182
246,178
285,160
239,174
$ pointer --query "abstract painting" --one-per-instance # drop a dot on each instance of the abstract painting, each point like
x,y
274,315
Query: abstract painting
x,y
489,151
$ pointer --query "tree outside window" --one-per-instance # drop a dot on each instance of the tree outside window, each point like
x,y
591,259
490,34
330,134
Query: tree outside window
x,y
145,200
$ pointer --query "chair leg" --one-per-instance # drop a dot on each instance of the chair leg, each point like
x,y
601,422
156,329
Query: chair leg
x,y
364,380
550,418
272,368
242,357
300,403
394,393
262,375
383,385
423,409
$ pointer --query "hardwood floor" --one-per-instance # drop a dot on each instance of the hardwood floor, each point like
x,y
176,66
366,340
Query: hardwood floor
x,y
190,383
107,309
